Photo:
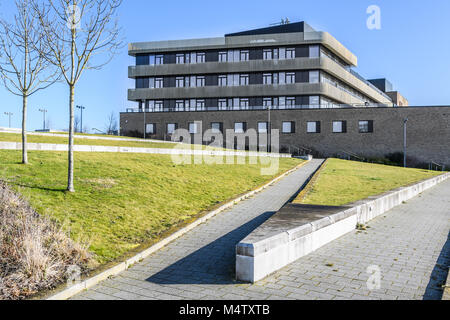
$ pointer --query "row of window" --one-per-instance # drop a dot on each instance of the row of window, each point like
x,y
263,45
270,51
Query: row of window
x,y
278,53
230,104
229,80
287,127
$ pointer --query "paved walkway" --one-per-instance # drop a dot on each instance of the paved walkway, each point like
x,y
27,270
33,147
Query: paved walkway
x,y
409,245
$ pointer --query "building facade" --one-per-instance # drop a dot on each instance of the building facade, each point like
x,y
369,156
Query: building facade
x,y
288,77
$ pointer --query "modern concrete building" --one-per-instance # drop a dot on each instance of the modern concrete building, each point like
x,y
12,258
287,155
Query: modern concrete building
x,y
285,67
288,77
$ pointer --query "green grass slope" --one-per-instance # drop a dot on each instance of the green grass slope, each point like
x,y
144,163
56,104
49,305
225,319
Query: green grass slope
x,y
125,200
341,182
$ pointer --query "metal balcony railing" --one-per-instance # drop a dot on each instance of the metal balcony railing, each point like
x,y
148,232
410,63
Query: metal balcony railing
x,y
250,108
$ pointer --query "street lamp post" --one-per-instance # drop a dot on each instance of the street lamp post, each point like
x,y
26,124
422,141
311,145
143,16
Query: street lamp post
x,y
145,120
405,122
9,114
81,108
44,111
269,130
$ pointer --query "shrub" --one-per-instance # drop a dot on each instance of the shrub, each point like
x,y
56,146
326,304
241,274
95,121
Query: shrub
x,y
35,254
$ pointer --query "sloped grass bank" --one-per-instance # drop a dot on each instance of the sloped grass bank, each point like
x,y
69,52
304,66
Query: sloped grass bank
x,y
35,254
342,182
15,137
125,200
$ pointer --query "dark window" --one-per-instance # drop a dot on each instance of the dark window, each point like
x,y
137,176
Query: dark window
x,y
222,104
223,56
142,60
240,127
290,77
244,80
339,126
290,53
193,127
262,127
200,81
180,82
314,51
200,104
245,55
244,103
159,59
313,127
288,127
290,102
171,127
142,83
217,127
366,126
201,57
159,83
223,81
180,58
267,78
212,56
151,128
267,54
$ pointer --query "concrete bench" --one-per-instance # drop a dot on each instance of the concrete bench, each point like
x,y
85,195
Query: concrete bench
x,y
297,230
293,232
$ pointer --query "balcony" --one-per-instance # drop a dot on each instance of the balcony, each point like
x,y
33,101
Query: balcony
x,y
256,108
223,67
221,92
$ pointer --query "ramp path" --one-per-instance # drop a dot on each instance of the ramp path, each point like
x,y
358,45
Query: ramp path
x,y
409,245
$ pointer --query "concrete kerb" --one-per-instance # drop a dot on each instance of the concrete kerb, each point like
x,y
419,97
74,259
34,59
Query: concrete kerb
x,y
446,294
80,136
255,261
88,283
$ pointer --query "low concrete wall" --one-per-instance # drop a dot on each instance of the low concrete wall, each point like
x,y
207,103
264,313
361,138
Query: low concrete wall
x,y
81,136
66,293
12,130
112,149
256,260
446,294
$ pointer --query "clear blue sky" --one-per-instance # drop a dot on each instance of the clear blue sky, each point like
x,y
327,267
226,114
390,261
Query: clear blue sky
x,y
412,49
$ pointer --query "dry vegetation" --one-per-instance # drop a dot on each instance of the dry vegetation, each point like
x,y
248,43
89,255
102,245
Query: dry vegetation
x,y
35,254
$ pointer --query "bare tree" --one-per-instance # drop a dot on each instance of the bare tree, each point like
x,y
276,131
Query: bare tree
x,y
76,31
111,124
76,124
49,123
23,69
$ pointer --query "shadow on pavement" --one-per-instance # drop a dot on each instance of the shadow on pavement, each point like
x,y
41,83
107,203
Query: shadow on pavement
x,y
439,275
211,264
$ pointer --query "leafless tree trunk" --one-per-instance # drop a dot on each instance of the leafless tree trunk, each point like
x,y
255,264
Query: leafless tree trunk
x,y
111,125
76,31
76,123
23,69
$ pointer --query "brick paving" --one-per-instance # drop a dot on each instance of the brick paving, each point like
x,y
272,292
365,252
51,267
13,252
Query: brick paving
x,y
409,245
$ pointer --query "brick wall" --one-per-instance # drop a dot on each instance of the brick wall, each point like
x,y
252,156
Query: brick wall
x,y
428,129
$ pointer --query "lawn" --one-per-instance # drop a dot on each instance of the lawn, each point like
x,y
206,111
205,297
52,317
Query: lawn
x,y
342,182
125,200
14,137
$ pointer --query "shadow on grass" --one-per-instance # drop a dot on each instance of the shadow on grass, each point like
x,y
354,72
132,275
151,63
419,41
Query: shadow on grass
x,y
439,275
36,187
211,264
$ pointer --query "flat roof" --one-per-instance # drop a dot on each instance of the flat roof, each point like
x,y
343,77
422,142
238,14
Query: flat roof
x,y
283,28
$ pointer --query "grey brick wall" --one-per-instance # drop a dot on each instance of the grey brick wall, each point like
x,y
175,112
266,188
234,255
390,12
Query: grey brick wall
x,y
428,129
